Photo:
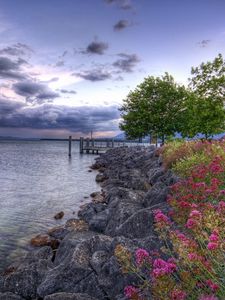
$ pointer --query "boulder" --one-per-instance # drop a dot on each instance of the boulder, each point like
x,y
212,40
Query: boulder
x,y
9,296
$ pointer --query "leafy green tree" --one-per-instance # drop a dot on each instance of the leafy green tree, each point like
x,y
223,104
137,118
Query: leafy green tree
x,y
205,105
154,107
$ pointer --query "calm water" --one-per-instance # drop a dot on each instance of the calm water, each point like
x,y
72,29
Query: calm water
x,y
37,180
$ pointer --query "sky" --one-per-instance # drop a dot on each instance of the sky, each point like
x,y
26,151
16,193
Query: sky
x,y
67,65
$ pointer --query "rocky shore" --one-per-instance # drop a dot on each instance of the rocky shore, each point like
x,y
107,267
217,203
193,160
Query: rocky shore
x,y
76,261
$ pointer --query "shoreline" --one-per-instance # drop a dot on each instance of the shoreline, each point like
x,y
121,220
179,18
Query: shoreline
x,y
78,257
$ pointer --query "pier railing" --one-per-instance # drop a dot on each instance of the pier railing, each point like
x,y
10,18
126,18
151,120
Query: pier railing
x,y
95,146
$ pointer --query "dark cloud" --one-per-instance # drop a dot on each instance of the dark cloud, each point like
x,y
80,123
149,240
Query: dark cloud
x,y
96,47
64,91
94,75
10,69
18,49
60,63
204,43
122,4
120,25
34,92
126,62
78,119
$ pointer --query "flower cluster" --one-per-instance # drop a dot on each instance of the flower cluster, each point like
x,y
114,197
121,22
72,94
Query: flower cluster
x,y
193,231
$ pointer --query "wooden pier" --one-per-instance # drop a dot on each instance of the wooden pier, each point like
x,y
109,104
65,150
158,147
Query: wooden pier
x,y
96,146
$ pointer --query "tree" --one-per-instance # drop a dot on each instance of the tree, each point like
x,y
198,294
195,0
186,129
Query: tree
x,y
154,107
205,105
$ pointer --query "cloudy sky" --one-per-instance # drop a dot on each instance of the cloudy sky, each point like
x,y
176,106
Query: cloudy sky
x,y
66,65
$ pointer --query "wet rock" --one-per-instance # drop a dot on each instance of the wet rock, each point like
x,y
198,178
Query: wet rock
x,y
69,296
59,215
100,178
41,240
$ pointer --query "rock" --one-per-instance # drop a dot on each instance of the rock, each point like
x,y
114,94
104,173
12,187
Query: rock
x,y
139,225
69,296
9,296
41,240
97,197
59,215
99,221
156,196
76,225
154,174
89,171
58,232
100,178
25,280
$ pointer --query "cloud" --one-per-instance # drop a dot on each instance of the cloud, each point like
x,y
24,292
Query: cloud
x,y
204,43
34,92
120,25
96,47
64,91
78,119
94,75
122,4
18,49
10,69
126,62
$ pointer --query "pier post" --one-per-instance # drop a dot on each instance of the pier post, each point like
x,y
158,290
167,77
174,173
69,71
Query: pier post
x,y
70,145
87,145
81,145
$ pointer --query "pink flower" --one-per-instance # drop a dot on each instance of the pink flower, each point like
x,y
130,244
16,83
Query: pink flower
x,y
195,214
162,267
193,256
178,295
214,287
130,291
141,256
212,245
213,237
191,223
161,217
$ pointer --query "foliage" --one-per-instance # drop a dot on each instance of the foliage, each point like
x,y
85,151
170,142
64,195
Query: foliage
x,y
159,106
205,105
155,106
193,234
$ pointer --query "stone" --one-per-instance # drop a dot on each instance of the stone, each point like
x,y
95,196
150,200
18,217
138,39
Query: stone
x,y
100,178
41,240
9,296
69,296
59,215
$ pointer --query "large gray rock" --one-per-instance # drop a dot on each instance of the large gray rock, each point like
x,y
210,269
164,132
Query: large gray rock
x,y
9,296
139,225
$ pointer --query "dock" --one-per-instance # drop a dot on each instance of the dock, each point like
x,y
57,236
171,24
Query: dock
x,y
97,146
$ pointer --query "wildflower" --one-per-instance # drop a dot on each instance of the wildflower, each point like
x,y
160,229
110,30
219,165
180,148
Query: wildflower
x,y
160,217
178,295
195,213
214,237
214,287
162,267
191,223
130,291
141,256
192,256
212,246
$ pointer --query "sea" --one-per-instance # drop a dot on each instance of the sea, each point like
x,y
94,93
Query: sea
x,y
38,180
